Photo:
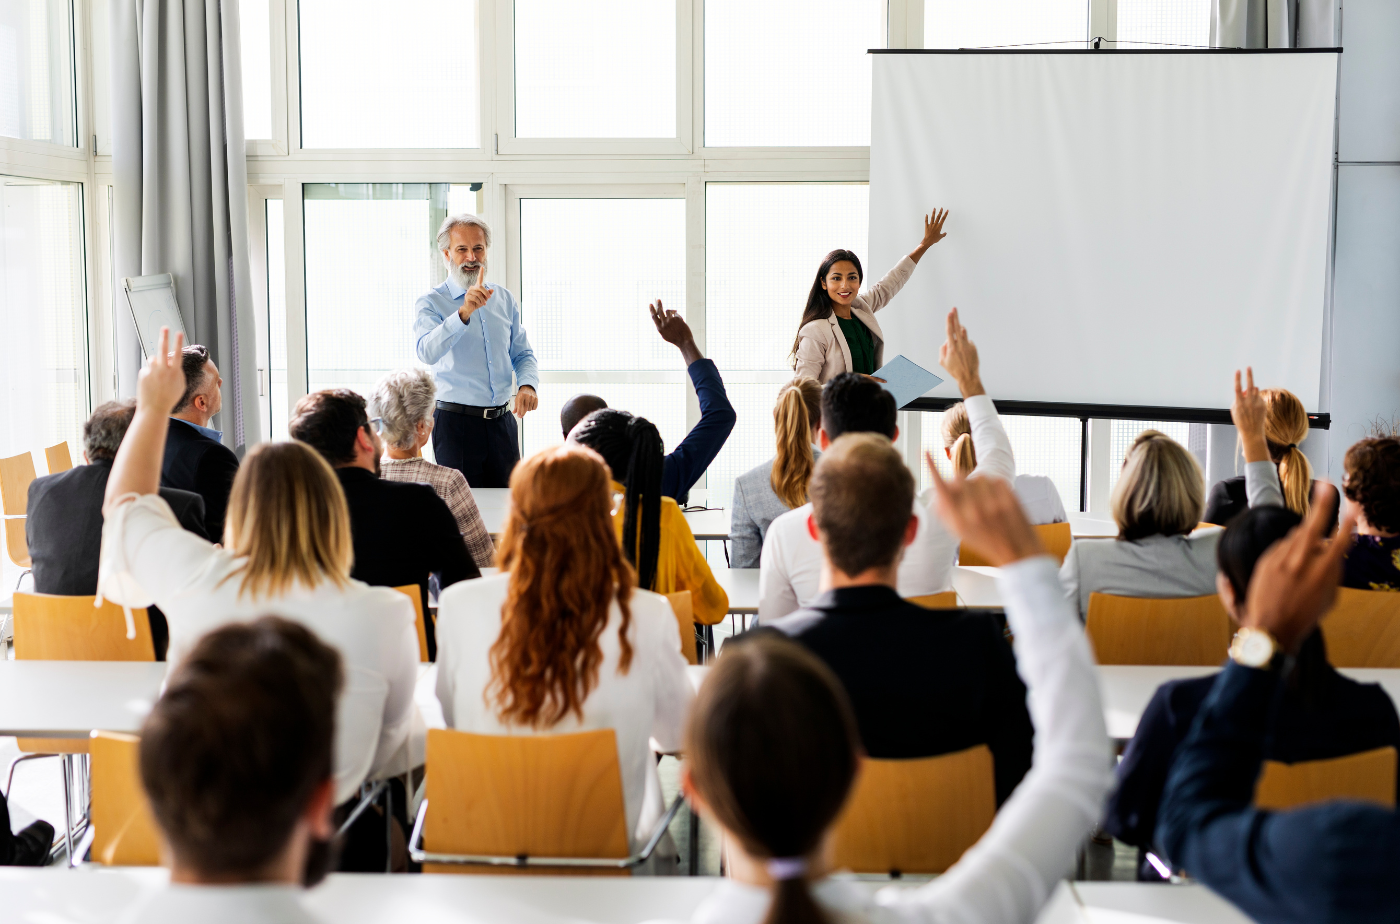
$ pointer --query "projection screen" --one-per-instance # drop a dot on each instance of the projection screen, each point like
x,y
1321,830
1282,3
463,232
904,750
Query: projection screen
x,y
1126,228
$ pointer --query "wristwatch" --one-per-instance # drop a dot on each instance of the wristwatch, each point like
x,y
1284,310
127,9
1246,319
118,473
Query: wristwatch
x,y
1253,648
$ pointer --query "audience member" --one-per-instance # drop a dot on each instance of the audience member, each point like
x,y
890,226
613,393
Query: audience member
x,y
1285,427
685,464
1157,504
1335,861
1319,713
405,402
655,536
288,553
769,490
30,847
561,640
771,750
790,566
1037,493
922,682
195,457
236,760
1372,484
402,532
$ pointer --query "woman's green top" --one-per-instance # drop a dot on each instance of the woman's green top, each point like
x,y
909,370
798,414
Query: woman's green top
x,y
862,345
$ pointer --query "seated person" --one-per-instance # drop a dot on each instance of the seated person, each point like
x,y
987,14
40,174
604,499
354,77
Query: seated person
x,y
1037,493
656,539
771,489
922,682
30,847
288,553
1333,861
562,640
402,532
195,458
244,836
1319,713
1157,503
1372,485
687,462
791,564
405,401
1285,428
771,751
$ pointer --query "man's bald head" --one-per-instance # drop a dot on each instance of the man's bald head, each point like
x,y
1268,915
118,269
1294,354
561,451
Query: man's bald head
x,y
577,408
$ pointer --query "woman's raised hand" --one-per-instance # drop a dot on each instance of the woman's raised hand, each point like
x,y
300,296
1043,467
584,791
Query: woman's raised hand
x,y
933,232
1248,412
161,384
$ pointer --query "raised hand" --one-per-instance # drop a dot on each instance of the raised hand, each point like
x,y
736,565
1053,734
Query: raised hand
x,y
1248,412
673,329
477,296
1296,580
959,356
985,513
933,233
161,384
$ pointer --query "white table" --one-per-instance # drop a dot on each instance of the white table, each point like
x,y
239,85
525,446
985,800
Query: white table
x,y
1144,903
741,584
976,585
1090,525
68,699
709,524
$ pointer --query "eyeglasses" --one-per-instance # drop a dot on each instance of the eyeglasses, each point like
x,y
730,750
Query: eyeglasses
x,y
376,424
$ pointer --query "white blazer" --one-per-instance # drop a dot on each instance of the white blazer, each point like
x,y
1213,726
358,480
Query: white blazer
x,y
822,351
649,701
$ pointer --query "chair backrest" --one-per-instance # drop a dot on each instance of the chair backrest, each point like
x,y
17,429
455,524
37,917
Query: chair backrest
x,y
1363,629
1056,537
58,457
945,600
17,542
684,609
15,474
1367,775
1172,630
916,816
49,627
414,593
124,832
536,795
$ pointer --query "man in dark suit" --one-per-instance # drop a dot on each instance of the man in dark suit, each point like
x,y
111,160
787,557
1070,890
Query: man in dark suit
x,y
922,682
195,458
402,532
64,522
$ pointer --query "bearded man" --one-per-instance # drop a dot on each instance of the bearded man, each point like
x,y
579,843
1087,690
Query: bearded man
x,y
469,333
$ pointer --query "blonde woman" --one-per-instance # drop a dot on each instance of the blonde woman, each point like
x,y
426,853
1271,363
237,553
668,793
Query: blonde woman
x,y
1157,504
770,490
287,552
1038,495
405,401
1285,428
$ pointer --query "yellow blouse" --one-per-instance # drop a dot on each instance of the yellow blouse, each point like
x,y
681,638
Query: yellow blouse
x,y
679,564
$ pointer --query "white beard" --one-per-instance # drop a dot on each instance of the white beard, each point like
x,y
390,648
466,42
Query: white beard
x,y
463,277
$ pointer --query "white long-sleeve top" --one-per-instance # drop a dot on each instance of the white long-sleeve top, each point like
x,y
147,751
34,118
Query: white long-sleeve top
x,y
1009,874
649,701
790,565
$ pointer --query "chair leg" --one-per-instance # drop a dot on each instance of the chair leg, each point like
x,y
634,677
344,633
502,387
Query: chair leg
x,y
388,828
68,806
10,783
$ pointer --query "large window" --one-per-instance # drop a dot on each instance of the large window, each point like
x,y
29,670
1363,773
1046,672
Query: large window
x,y
1124,432
991,23
37,100
275,403
255,34
1164,22
1049,446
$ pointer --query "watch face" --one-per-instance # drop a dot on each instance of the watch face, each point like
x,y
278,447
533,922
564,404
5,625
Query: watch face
x,y
1256,649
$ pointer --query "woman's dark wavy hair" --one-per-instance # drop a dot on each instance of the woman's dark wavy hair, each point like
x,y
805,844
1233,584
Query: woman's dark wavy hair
x,y
631,446
818,302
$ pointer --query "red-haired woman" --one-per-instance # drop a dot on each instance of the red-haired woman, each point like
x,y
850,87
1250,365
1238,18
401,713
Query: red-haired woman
x,y
562,640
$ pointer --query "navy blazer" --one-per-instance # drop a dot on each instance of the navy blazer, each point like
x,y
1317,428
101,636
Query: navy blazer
x,y
194,462
684,466
1337,861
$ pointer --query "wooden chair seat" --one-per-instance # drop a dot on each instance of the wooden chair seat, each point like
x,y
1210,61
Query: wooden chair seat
x,y
684,609
1363,629
124,831
1056,537
1170,630
945,600
1368,776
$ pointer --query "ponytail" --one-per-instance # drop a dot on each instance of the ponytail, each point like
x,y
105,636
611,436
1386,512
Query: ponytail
x,y
1285,426
1295,475
799,406
632,448
793,904
957,436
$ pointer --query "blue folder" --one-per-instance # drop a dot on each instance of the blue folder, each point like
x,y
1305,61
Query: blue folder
x,y
906,380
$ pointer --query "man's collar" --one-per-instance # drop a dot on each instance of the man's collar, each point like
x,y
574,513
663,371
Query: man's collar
x,y
453,289
215,435
860,595
354,471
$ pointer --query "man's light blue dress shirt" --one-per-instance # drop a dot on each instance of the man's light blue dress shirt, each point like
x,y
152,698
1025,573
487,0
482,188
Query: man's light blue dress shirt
x,y
215,435
472,362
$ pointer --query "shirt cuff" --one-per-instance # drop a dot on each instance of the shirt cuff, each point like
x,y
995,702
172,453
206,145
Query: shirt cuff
x,y
701,370
454,323
979,407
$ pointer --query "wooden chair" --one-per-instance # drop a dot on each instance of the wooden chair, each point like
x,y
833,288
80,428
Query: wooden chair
x,y
1055,536
1363,629
1368,776
1174,630
414,593
17,543
916,816
944,600
58,458
682,606
527,804
123,830
16,473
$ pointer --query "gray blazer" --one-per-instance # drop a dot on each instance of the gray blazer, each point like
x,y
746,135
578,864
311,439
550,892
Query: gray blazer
x,y
1157,566
755,506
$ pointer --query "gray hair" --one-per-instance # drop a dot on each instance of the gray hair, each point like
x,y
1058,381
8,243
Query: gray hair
x,y
403,398
104,430
466,219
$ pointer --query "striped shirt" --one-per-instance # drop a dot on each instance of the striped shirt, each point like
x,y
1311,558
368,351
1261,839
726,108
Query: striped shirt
x,y
451,486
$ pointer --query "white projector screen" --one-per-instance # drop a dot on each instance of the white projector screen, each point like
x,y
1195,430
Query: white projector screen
x,y
1125,228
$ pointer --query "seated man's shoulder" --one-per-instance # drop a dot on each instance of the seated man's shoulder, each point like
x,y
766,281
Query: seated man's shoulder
x,y
799,622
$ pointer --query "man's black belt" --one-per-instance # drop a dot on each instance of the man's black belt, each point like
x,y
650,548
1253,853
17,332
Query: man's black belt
x,y
490,413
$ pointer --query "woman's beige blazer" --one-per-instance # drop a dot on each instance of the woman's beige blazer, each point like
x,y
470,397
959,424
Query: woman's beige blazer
x,y
822,351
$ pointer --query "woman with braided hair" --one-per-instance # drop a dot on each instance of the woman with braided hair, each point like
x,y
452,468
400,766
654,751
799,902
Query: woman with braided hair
x,y
655,536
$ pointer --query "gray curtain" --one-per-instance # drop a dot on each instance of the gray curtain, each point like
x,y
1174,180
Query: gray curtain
x,y
180,181
1273,23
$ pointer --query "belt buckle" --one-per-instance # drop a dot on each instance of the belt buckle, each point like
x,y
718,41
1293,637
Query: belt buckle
x,y
486,413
